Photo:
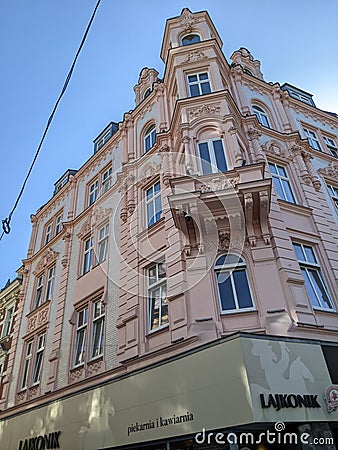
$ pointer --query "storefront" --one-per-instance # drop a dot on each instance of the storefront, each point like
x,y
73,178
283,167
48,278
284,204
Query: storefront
x,y
243,384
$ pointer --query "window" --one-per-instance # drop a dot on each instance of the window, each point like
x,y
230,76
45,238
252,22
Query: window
x,y
58,224
44,291
81,337
157,297
102,245
93,192
48,235
50,282
232,283
153,204
7,323
199,84
149,138
281,182
261,116
331,145
87,255
38,359
147,93
106,180
334,194
314,282
190,39
26,364
98,329
312,138
212,156
89,327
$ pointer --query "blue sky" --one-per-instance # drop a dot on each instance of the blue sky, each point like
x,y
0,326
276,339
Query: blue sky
x,y
296,42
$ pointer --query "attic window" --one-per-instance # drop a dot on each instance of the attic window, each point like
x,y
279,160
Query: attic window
x,y
147,93
190,39
247,71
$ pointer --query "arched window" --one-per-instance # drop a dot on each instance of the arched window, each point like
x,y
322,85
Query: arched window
x,y
212,156
232,283
247,71
149,138
261,116
190,39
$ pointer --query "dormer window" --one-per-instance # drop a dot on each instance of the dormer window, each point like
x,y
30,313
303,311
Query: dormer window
x,y
261,116
149,138
147,93
190,39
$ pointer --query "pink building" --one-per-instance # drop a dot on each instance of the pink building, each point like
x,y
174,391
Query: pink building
x,y
181,285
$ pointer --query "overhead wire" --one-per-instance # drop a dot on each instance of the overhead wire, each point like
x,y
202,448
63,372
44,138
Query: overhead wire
x,y
6,228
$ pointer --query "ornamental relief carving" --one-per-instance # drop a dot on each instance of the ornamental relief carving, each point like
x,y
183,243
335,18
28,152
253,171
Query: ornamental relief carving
x,y
205,110
100,214
187,20
48,258
330,171
85,229
195,55
275,149
38,318
218,184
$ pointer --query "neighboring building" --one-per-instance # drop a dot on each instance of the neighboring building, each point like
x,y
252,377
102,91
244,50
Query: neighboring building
x,y
10,300
185,276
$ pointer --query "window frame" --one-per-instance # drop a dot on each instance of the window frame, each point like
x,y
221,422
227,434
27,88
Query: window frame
x,y
282,178
307,265
153,200
85,333
237,266
333,191
190,43
106,180
212,155
38,359
149,139
93,191
26,364
261,115
332,147
102,241
7,322
199,83
312,138
87,254
161,284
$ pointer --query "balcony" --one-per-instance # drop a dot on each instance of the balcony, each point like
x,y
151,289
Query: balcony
x,y
226,210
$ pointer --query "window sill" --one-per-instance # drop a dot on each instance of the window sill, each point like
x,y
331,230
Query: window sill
x,y
294,207
238,311
325,310
158,330
152,228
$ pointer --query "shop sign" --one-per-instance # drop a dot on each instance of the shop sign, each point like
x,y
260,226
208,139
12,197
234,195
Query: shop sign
x,y
331,397
42,442
279,401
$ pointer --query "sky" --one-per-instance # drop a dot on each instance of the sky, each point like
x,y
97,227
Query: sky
x,y
296,42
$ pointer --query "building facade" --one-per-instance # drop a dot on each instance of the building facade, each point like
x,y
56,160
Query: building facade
x,y
182,282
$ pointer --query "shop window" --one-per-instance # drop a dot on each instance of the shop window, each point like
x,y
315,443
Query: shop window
x,y
157,297
232,284
314,281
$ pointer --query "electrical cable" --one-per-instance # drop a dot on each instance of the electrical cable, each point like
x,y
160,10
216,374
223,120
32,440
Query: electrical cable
x,y
6,222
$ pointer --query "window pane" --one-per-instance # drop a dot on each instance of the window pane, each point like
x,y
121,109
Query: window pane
x,y
319,288
150,213
312,294
152,274
273,168
278,187
281,171
220,156
310,256
155,301
80,347
192,78
158,208
203,76
205,88
242,289
299,252
97,342
288,193
225,290
205,157
194,90
157,187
